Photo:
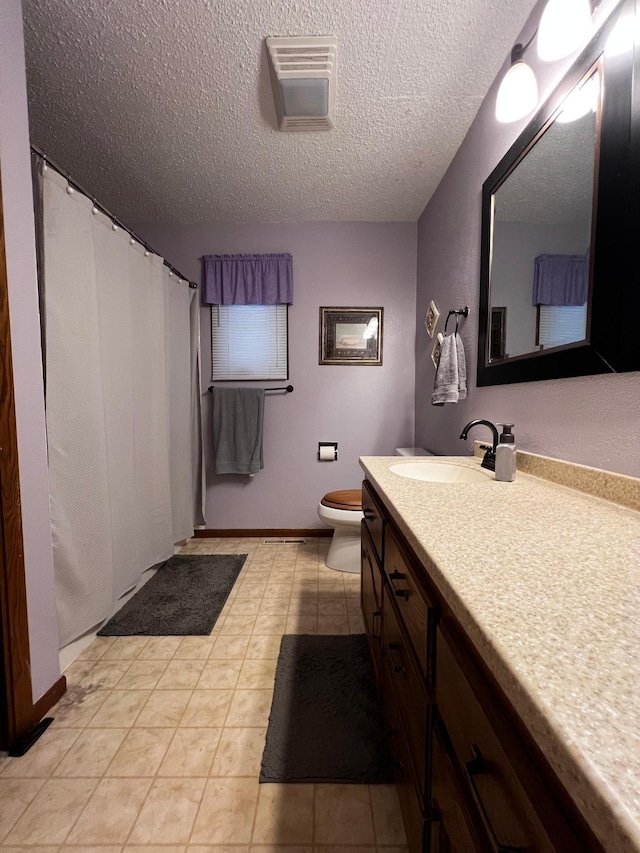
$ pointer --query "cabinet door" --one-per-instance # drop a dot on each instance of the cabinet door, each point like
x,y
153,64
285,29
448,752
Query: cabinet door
x,y
416,609
374,518
371,598
491,767
451,828
408,687
411,801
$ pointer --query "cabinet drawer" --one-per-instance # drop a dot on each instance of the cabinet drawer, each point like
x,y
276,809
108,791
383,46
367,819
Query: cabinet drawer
x,y
413,604
502,807
373,518
408,688
411,801
371,597
451,824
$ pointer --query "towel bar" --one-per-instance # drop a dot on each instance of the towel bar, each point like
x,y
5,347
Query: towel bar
x,y
287,388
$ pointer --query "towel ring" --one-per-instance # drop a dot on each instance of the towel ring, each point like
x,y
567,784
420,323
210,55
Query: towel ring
x,y
463,312
447,322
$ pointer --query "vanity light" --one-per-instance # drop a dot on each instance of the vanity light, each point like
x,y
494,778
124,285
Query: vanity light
x,y
581,100
623,36
565,26
518,92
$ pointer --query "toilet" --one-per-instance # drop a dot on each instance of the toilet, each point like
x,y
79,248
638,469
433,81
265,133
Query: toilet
x,y
342,510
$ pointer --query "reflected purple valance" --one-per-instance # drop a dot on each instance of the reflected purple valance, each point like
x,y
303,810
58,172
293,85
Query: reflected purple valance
x,y
561,279
248,279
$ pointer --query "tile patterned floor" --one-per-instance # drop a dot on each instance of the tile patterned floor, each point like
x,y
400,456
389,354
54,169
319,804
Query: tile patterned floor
x,y
156,747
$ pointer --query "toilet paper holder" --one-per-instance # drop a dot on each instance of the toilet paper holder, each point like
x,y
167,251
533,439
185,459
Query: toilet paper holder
x,y
327,451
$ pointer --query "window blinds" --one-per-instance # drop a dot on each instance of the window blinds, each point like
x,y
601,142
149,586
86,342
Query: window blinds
x,y
562,324
249,342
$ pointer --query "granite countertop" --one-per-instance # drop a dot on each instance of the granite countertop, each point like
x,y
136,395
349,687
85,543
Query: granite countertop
x,y
546,582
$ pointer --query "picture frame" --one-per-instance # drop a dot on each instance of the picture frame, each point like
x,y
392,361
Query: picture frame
x,y
351,336
498,334
437,347
431,318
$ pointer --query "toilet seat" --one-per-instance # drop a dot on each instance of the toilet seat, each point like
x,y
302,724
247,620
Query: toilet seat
x,y
344,499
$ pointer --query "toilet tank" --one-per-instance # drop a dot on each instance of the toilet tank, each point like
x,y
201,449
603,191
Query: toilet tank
x,y
412,451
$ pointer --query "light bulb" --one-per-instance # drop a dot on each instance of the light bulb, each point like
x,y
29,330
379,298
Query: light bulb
x,y
623,36
518,93
565,26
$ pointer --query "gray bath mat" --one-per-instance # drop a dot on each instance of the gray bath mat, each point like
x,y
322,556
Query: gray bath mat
x,y
185,596
325,723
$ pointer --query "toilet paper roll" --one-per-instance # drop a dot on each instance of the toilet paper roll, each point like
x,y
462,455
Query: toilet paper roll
x,y
327,453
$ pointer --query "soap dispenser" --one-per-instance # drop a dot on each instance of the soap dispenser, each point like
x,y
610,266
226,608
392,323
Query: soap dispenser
x,y
506,455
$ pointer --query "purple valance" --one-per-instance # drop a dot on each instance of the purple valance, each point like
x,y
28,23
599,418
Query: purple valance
x,y
561,279
248,279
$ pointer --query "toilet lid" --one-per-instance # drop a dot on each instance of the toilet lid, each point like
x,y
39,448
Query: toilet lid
x,y
349,499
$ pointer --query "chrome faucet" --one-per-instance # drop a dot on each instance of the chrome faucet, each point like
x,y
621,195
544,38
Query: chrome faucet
x,y
489,460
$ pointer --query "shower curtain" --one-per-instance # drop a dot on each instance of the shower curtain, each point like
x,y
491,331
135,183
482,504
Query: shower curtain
x,y
119,385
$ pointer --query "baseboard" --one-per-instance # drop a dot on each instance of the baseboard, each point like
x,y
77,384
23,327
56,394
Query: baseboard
x,y
228,533
45,703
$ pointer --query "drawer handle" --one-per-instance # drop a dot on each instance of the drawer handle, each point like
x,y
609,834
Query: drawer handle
x,y
401,593
376,615
397,667
474,767
369,514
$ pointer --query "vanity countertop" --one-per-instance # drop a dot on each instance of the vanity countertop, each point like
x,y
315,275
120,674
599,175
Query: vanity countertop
x,y
546,582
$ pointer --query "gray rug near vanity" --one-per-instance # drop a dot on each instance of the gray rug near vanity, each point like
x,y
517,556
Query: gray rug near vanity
x,y
325,723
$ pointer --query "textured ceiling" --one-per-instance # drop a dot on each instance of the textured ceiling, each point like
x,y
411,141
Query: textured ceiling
x,y
163,108
553,185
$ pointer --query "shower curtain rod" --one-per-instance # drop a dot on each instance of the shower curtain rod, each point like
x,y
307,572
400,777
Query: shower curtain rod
x,y
49,162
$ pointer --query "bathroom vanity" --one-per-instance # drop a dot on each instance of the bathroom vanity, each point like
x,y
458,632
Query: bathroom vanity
x,y
502,622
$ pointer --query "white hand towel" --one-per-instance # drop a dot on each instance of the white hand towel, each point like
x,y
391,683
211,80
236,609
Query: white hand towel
x,y
445,389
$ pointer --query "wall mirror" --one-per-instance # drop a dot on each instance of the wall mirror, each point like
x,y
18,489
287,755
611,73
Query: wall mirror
x,y
558,292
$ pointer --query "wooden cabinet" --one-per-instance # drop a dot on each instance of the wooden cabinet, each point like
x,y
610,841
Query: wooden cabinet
x,y
470,777
451,824
371,597
374,513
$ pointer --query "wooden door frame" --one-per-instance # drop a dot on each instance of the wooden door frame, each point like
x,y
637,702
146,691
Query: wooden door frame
x,y
18,712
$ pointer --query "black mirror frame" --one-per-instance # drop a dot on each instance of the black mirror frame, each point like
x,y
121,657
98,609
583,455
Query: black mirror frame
x,y
610,347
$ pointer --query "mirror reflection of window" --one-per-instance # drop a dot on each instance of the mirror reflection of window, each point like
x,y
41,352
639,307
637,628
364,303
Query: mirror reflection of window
x,y
542,230
561,324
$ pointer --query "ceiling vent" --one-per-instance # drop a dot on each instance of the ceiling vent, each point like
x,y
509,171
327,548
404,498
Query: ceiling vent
x,y
304,81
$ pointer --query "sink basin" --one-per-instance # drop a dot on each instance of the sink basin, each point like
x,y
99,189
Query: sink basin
x,y
440,472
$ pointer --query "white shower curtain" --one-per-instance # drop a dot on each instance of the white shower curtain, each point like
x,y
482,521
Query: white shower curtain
x,y
177,303
119,379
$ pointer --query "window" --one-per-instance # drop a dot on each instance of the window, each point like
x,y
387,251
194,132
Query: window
x,y
561,324
249,342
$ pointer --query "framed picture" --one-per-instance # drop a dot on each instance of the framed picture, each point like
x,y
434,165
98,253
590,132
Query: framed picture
x,y
498,334
435,352
431,318
351,336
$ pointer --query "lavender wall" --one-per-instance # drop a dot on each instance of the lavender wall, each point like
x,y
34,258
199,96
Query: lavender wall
x,y
590,420
367,410
25,343
515,248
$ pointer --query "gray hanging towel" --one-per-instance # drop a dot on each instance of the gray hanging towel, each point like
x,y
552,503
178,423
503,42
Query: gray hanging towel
x,y
462,368
237,430
446,388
